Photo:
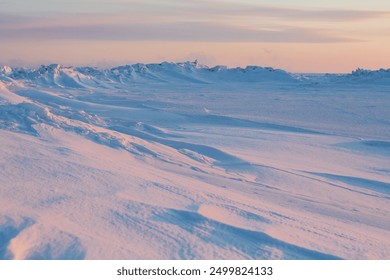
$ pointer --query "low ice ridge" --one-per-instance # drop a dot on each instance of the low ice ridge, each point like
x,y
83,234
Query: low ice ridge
x,y
364,73
165,72
56,75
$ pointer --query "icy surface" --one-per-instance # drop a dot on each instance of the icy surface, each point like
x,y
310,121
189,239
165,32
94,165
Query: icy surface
x,y
183,161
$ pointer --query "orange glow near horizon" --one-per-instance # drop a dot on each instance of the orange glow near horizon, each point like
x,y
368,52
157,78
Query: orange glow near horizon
x,y
293,57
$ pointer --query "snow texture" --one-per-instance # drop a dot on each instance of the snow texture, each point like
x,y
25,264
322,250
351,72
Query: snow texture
x,y
183,161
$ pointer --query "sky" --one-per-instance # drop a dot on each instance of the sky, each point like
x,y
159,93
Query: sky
x,y
295,35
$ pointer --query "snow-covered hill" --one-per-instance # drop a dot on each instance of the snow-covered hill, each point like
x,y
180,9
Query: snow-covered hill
x,y
183,161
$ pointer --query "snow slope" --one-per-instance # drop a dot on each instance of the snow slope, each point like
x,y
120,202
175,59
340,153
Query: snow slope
x,y
182,161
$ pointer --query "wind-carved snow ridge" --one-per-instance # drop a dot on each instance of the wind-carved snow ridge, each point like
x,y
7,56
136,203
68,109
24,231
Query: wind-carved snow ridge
x,y
185,161
370,75
56,75
22,238
358,76
23,116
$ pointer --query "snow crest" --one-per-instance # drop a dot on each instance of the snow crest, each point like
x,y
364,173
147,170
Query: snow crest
x,y
187,72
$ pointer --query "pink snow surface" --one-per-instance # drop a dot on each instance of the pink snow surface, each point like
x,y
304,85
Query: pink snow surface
x,y
182,161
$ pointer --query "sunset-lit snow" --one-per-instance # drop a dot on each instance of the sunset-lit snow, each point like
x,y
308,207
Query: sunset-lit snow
x,y
182,161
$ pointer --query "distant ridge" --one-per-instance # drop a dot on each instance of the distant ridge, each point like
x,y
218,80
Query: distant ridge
x,y
173,73
165,72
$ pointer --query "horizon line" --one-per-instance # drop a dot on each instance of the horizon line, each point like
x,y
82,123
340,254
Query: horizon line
x,y
35,66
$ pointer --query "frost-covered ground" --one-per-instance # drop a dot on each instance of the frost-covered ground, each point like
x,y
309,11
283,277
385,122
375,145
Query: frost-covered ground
x,y
181,161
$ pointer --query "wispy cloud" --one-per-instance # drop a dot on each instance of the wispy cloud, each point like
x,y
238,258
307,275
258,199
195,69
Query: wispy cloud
x,y
196,9
173,20
199,8
9,20
177,31
298,14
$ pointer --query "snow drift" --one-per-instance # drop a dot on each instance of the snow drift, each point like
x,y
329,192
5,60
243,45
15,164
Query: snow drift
x,y
188,72
183,161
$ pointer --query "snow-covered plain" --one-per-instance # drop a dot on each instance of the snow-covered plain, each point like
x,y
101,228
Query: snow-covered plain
x,y
182,161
